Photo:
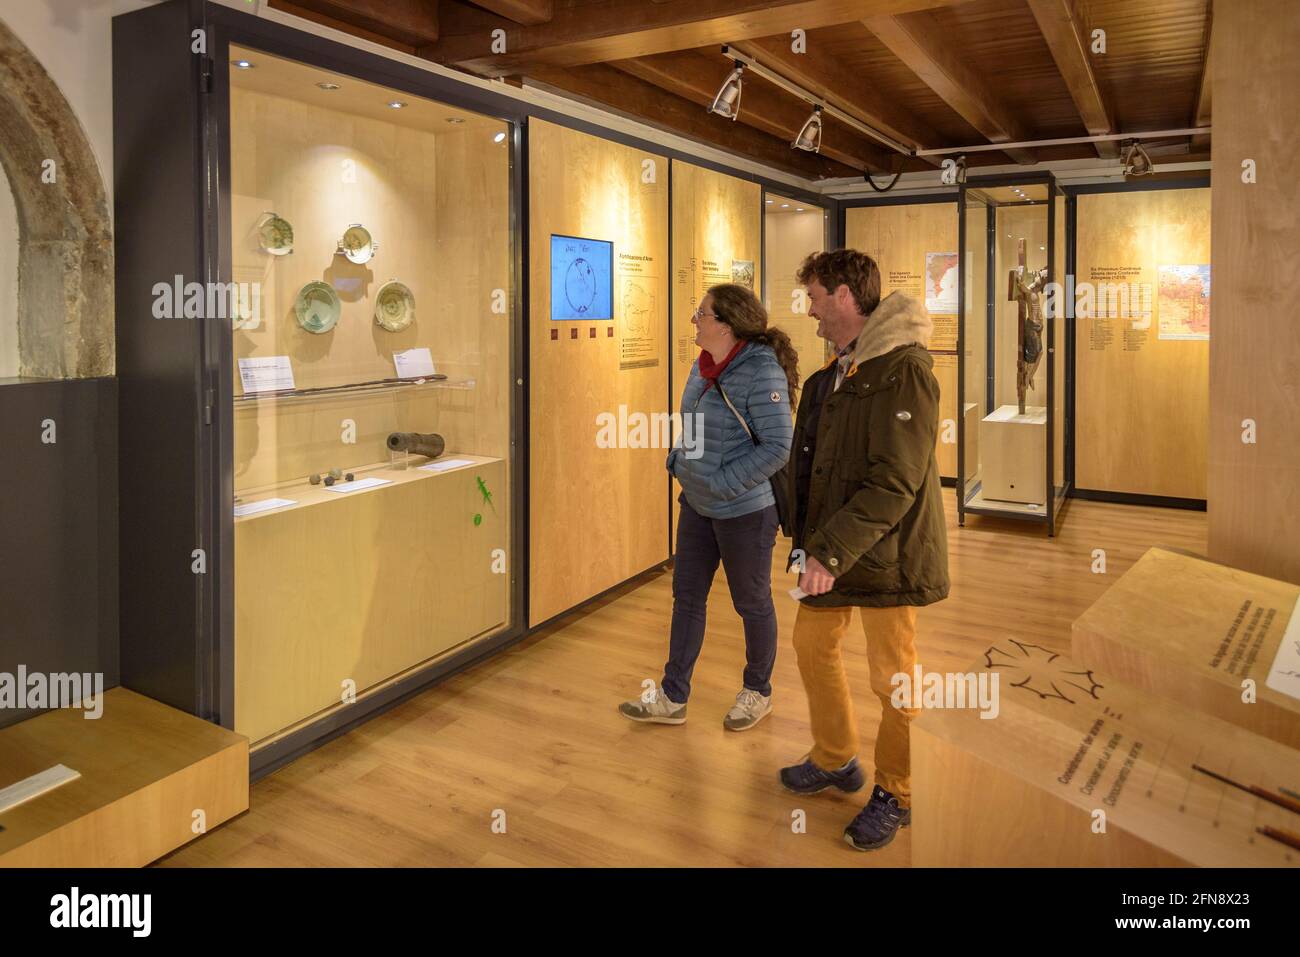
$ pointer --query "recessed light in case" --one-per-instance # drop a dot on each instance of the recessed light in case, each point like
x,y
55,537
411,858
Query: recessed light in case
x,y
768,201
455,119
328,86
396,105
242,64
498,138
785,205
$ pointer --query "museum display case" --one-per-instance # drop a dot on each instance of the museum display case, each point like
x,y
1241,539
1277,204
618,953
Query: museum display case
x,y
370,383
339,414
1013,349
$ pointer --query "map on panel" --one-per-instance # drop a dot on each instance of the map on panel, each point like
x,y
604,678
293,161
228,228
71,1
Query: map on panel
x,y
1183,304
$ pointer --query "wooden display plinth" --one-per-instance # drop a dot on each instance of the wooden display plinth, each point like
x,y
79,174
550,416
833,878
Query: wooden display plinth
x,y
145,770
343,591
1014,465
1204,634
1029,787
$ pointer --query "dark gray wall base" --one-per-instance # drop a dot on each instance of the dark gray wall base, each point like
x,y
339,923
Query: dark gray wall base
x,y
1131,498
58,530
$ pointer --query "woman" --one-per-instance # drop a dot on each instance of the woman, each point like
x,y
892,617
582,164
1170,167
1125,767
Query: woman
x,y
745,370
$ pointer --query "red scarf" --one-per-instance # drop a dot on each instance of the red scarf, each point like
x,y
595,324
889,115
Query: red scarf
x,y
710,369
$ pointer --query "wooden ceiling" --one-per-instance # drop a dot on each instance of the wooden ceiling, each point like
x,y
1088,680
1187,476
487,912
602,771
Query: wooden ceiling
x,y
929,73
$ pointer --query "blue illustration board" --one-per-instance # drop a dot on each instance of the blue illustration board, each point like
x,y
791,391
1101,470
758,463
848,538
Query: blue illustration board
x,y
582,274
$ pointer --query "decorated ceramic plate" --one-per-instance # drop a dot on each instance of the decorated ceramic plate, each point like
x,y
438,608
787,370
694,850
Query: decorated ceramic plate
x,y
357,244
275,235
317,307
394,306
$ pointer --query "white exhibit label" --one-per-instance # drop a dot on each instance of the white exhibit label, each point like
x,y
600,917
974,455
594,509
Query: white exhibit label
x,y
35,786
444,465
413,364
358,485
266,374
265,505
1284,676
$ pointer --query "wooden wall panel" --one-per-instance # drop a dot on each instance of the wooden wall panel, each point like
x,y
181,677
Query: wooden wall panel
x,y
1141,401
898,238
1254,489
597,515
717,220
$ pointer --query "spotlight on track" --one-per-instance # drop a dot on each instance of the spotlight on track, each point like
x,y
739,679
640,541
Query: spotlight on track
x,y
1136,160
727,102
810,135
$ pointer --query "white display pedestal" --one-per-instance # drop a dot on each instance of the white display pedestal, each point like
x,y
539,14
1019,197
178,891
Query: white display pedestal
x,y
971,412
1014,461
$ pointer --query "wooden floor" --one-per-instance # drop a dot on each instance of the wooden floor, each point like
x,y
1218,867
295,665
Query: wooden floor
x,y
535,733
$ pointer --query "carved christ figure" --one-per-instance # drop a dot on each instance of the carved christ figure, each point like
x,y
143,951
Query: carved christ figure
x,y
1025,289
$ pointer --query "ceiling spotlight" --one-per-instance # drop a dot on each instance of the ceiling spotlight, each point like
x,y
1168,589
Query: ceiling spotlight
x,y
727,102
396,105
768,201
810,135
328,86
1136,161
799,210
498,138
242,64
456,120
785,205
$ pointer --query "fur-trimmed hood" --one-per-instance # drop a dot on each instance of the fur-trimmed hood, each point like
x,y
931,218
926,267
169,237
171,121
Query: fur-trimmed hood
x,y
898,320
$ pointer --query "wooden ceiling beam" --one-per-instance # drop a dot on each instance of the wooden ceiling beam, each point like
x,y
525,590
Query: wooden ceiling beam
x,y
580,34
527,12
611,89
1062,26
842,89
920,42
696,77
407,24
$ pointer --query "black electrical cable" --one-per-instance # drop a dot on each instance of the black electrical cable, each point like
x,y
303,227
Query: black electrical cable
x,y
881,189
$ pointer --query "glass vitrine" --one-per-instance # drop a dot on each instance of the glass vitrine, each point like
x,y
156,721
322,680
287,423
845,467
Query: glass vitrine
x,y
1013,349
370,254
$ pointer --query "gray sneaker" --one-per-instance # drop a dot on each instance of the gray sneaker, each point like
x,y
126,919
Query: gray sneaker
x,y
654,706
750,708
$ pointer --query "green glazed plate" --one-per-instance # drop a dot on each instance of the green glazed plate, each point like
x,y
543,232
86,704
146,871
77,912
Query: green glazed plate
x,y
317,307
357,244
394,306
275,235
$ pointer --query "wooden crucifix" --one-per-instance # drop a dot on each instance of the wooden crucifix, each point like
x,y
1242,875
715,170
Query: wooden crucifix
x,y
1025,289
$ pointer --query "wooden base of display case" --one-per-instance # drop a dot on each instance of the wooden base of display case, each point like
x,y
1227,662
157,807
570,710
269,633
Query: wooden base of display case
x,y
1209,636
1014,465
341,591
145,770
1076,768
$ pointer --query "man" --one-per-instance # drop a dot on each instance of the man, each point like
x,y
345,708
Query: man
x,y
869,526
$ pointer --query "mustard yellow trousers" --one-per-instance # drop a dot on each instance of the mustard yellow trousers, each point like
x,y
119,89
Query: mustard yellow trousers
x,y
891,648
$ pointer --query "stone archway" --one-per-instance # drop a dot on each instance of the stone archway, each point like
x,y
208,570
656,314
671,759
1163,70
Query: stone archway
x,y
65,259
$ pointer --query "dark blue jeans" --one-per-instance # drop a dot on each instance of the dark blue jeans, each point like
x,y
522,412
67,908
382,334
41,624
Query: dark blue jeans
x,y
744,546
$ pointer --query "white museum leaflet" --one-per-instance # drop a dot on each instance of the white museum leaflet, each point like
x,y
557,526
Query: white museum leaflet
x,y
266,374
444,465
265,505
1284,676
413,364
358,485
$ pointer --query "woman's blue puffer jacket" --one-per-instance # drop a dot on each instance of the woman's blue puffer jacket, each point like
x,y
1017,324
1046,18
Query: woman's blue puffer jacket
x,y
730,476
